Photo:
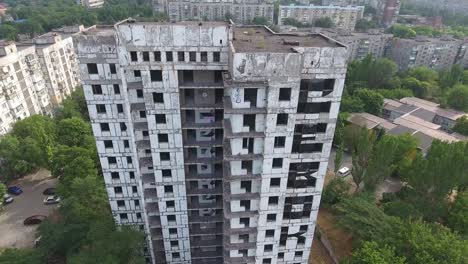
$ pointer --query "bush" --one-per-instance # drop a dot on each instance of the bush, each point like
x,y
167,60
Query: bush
x,y
335,192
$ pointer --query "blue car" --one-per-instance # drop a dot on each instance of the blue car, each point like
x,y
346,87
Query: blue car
x,y
15,190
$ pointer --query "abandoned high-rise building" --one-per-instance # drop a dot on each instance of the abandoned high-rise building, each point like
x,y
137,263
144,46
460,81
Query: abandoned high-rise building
x,y
213,138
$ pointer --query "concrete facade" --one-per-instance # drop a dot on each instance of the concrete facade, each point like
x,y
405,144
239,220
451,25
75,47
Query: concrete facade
x,y
213,138
343,17
240,11
35,76
435,53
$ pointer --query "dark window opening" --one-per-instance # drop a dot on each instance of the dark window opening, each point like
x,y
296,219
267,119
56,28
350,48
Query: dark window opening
x,y
146,56
249,120
285,94
120,108
97,89
163,138
143,114
133,56
280,142
137,73
180,56
216,56
314,108
277,163
160,118
192,56
271,217
116,89
139,93
250,95
108,144
165,156
273,200
101,108
204,56
156,75
158,97
282,120
275,182
157,56
105,127
113,69
92,68
166,173
169,56
270,233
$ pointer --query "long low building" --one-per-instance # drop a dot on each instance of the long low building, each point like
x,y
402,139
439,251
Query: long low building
x,y
36,75
343,17
423,119
240,11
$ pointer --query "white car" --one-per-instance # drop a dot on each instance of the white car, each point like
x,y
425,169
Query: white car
x,y
343,172
54,199
7,199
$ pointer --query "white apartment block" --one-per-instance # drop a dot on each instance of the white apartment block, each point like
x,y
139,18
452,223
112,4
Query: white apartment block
x,y
213,138
36,76
435,53
343,17
240,11
91,3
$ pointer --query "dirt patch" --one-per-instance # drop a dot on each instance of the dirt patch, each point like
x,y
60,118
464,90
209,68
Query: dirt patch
x,y
341,241
318,254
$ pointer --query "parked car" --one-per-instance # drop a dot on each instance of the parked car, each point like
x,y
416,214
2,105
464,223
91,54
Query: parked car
x,y
343,172
7,199
53,199
15,190
50,191
34,220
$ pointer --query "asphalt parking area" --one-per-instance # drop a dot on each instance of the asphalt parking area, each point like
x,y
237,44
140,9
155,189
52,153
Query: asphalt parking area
x,y
12,231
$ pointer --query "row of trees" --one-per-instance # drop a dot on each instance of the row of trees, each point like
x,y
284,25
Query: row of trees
x,y
381,77
84,231
324,22
41,16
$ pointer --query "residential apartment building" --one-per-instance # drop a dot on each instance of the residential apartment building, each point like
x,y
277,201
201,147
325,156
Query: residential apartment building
x,y
459,6
361,44
343,17
387,11
240,11
36,75
213,138
435,53
91,3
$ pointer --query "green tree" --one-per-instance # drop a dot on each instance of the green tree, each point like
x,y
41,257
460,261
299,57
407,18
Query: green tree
x,y
72,162
39,128
465,77
14,164
75,132
259,20
372,101
339,157
351,104
402,31
372,73
451,77
324,22
110,246
19,256
458,214
8,32
373,253
423,74
335,191
461,126
361,149
363,25
3,191
381,164
73,106
395,93
457,97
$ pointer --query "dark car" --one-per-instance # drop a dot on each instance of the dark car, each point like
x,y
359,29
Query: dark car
x,y
34,220
15,190
49,191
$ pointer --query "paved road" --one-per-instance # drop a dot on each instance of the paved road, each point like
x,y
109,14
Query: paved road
x,y
347,160
30,202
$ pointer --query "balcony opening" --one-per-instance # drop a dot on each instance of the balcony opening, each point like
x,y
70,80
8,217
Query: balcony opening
x,y
249,121
250,95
